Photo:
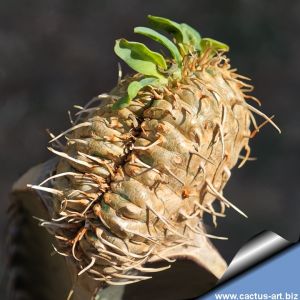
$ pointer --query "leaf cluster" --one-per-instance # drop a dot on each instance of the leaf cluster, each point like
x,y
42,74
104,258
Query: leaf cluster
x,y
156,68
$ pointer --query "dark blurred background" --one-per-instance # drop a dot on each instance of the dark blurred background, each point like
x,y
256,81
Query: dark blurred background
x,y
54,54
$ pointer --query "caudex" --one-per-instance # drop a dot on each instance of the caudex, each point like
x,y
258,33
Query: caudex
x,y
143,163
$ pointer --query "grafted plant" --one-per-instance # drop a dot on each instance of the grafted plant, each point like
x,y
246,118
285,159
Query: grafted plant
x,y
143,163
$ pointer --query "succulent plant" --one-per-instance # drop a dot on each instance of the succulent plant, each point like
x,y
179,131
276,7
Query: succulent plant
x,y
143,163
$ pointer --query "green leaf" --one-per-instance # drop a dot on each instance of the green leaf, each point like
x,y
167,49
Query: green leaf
x,y
192,34
184,34
170,27
154,35
133,88
213,44
140,58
